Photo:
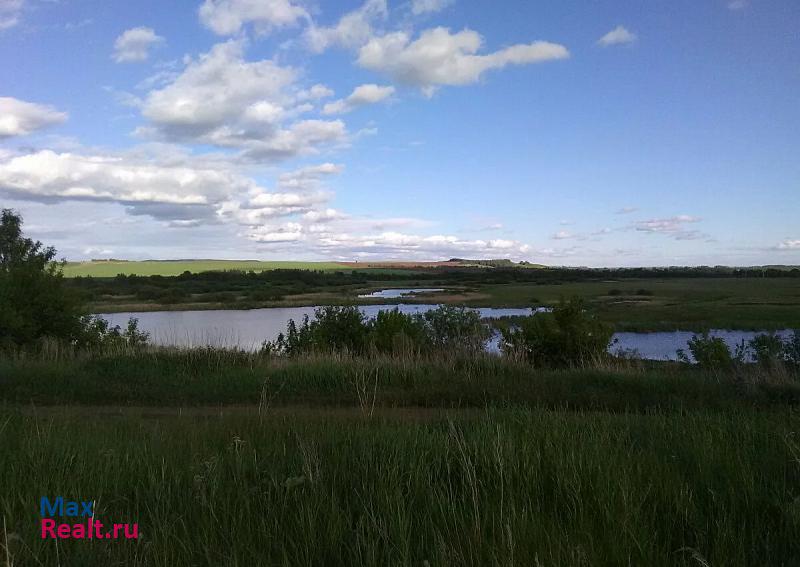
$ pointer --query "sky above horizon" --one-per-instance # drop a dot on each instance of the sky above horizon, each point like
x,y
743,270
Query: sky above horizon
x,y
561,132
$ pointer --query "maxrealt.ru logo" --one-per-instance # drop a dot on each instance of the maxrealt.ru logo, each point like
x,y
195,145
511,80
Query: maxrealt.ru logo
x,y
80,523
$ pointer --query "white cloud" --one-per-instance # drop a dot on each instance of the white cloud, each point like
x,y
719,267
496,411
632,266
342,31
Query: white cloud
x,y
307,178
439,57
737,5
627,210
47,175
618,36
289,232
222,100
353,29
396,245
323,216
673,226
419,7
20,118
361,96
96,251
789,245
563,235
227,17
134,45
10,11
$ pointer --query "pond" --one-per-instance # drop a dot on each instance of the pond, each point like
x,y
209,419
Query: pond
x,y
398,293
248,329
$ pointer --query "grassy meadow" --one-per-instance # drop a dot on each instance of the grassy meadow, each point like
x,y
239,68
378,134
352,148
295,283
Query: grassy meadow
x,y
426,487
110,268
233,458
208,377
668,304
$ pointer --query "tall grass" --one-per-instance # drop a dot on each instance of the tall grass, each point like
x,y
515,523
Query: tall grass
x,y
508,487
209,376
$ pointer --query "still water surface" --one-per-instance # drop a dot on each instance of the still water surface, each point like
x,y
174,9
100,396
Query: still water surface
x,y
248,329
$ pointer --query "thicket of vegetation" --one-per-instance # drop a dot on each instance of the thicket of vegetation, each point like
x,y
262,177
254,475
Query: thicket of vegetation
x,y
36,304
346,330
767,350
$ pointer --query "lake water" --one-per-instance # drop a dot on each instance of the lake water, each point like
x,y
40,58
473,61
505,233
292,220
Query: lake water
x,y
398,293
248,329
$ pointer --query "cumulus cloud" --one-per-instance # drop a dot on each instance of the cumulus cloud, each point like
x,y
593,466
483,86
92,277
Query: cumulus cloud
x,y
419,7
439,57
353,30
618,36
627,210
192,190
47,175
789,245
222,100
227,17
361,96
20,118
404,245
676,227
307,178
289,232
736,5
563,235
10,12
134,45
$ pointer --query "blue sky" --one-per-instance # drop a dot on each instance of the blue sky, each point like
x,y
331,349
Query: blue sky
x,y
562,132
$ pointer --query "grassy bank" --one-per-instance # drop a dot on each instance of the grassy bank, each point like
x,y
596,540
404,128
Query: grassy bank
x,y
511,487
689,304
668,305
218,377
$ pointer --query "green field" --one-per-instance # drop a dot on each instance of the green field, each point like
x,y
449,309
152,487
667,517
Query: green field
x,y
423,487
203,376
109,269
683,303
231,458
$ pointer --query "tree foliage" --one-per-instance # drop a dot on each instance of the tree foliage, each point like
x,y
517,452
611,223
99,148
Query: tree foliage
x,y
568,336
34,301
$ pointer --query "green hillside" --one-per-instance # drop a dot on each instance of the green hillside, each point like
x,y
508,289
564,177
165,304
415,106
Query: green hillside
x,y
105,269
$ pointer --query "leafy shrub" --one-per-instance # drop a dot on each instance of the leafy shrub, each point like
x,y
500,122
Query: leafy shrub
x,y
393,331
172,295
456,328
792,349
614,292
644,292
345,329
568,336
97,332
34,301
767,350
711,353
333,329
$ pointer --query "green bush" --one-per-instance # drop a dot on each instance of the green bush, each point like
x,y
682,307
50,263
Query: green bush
x,y
333,329
792,349
96,332
456,329
568,336
767,350
346,329
34,301
393,331
710,353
